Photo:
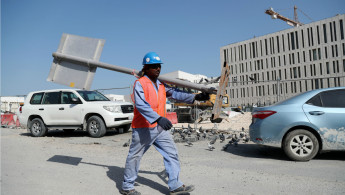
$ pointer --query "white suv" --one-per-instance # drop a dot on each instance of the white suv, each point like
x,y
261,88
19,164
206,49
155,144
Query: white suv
x,y
70,109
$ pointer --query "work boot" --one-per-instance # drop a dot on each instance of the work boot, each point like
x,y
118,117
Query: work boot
x,y
130,192
182,190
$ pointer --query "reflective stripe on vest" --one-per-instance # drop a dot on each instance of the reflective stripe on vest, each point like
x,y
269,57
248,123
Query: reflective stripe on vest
x,y
156,101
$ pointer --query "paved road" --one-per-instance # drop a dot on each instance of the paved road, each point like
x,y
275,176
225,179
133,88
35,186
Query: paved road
x,y
77,164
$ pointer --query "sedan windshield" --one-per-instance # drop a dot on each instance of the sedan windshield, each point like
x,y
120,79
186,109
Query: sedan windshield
x,y
92,96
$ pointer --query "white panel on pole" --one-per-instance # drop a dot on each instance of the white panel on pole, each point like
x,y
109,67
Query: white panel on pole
x,y
77,75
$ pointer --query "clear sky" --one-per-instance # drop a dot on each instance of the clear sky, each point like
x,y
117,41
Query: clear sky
x,y
186,34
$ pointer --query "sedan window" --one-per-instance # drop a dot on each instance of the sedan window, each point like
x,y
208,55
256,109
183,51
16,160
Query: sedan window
x,y
333,98
315,101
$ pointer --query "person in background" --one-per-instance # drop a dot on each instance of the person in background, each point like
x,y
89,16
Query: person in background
x,y
149,126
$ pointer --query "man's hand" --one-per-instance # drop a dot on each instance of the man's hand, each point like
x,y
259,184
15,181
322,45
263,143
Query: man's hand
x,y
202,96
164,123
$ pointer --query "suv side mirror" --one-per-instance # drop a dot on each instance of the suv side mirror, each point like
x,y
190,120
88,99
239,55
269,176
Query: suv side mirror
x,y
76,101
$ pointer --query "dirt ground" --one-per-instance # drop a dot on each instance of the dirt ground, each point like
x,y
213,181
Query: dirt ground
x,y
75,163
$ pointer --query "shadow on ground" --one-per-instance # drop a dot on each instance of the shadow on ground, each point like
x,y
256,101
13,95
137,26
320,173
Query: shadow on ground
x,y
267,152
77,133
115,173
256,151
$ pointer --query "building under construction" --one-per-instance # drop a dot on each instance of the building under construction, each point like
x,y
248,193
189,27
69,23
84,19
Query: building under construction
x,y
276,66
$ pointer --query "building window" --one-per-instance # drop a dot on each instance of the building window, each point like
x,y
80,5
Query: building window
x,y
302,38
319,52
335,66
341,29
332,51
253,48
335,31
344,65
292,41
324,33
331,31
283,41
290,73
294,72
288,41
312,85
303,56
266,47
245,50
279,61
326,55
327,67
316,83
278,44
318,35
328,85
308,32
336,50
305,71
311,35
225,56
314,55
299,72
296,36
320,68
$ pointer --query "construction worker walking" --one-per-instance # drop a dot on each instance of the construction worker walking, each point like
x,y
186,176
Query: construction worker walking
x,y
149,126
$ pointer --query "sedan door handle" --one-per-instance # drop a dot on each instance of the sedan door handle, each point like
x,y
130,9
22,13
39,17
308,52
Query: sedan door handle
x,y
41,109
316,112
61,109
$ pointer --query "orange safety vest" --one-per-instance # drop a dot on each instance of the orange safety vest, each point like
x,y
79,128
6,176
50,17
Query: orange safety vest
x,y
156,101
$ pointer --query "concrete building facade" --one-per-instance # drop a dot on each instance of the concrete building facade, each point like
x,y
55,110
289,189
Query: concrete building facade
x,y
276,66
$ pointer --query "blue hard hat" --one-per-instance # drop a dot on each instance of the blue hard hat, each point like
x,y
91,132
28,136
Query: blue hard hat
x,y
152,58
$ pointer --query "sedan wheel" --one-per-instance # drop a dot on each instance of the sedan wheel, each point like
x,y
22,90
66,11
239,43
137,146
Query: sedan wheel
x,y
301,145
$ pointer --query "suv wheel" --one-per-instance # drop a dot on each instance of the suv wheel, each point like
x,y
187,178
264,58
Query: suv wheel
x,y
37,128
301,145
95,126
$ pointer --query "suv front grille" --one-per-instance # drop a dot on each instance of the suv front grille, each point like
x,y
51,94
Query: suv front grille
x,y
127,108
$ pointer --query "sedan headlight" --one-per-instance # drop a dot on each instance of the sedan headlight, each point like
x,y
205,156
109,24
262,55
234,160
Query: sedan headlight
x,y
114,108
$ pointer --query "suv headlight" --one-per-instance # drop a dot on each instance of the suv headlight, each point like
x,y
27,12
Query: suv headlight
x,y
114,108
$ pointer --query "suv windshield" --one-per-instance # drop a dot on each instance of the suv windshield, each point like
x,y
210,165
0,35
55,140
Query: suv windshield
x,y
92,96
